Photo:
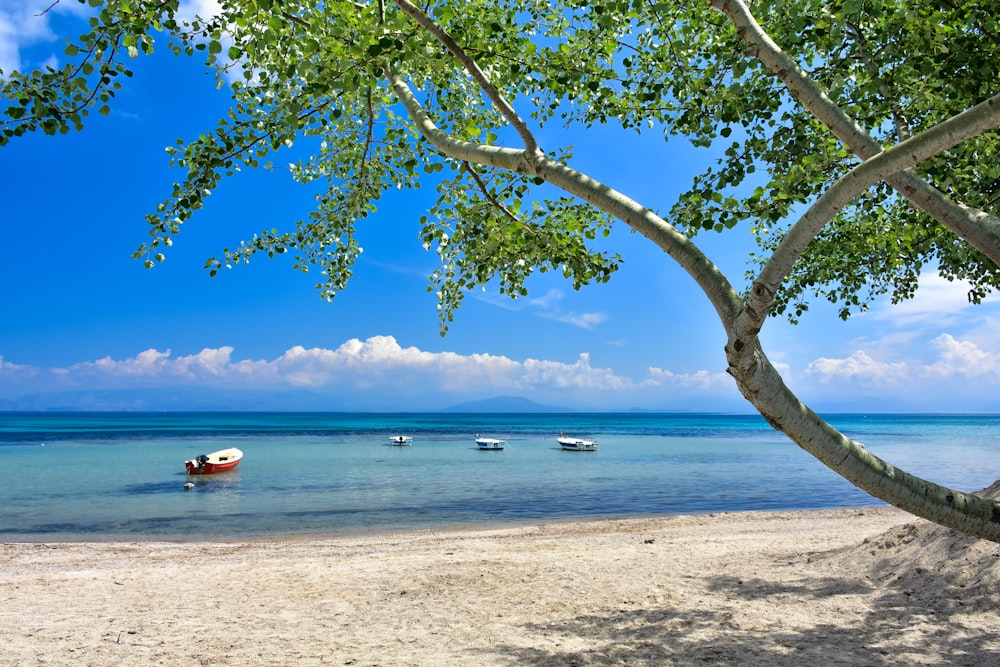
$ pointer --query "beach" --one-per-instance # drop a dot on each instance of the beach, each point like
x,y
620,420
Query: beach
x,y
864,586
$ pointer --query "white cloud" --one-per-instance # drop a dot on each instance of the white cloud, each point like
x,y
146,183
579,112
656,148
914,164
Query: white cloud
x,y
379,371
580,375
10,59
376,373
205,9
377,361
547,301
937,303
924,349
22,23
582,320
859,367
957,375
12,372
699,380
547,306
961,359
26,23
208,363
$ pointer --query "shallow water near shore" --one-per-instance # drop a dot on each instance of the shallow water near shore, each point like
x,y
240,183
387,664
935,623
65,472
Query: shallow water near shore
x,y
103,476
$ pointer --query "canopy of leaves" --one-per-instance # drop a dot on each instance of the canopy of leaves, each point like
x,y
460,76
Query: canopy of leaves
x,y
897,68
313,73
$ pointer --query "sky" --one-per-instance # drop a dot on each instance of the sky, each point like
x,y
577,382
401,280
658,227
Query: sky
x,y
85,327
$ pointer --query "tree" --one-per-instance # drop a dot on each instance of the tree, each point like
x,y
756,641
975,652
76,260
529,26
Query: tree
x,y
859,150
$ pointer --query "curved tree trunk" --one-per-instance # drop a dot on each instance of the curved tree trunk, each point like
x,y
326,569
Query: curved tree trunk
x,y
755,377
760,384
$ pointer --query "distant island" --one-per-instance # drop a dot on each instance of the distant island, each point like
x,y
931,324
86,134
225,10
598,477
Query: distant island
x,y
505,404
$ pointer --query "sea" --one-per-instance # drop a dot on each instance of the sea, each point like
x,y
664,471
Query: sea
x,y
120,476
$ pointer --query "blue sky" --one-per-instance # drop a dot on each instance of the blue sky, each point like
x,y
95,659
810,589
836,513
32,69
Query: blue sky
x,y
83,326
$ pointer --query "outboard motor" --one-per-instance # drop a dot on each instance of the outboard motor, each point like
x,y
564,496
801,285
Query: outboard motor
x,y
202,460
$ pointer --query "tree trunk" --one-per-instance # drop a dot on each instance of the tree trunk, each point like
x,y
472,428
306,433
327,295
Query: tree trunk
x,y
761,384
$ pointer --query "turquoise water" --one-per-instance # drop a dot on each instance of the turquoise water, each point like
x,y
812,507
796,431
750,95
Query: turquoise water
x,y
96,476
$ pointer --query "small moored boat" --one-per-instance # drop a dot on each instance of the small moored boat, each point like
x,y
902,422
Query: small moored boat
x,y
577,444
401,440
490,443
220,461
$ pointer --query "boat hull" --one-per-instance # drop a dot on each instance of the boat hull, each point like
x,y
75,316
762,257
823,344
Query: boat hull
x,y
577,445
489,444
216,462
401,440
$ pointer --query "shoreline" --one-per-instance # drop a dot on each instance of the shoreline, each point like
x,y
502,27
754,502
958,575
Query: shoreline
x,y
860,586
387,532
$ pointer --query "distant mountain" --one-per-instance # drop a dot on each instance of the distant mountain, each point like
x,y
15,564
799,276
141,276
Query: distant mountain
x,y
504,404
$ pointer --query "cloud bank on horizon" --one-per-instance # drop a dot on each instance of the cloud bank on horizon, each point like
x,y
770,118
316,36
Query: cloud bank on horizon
x,y
378,374
376,368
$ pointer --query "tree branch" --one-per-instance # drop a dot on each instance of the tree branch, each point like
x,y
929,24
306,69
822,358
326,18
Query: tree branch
x,y
486,193
710,279
903,131
470,65
495,156
970,123
977,227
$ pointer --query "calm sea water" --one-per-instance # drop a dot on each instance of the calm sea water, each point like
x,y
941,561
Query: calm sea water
x,y
96,476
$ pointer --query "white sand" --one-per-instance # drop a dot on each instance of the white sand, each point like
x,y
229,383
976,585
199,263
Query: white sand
x,y
827,587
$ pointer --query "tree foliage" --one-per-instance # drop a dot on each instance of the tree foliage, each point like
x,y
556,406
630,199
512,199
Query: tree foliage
x,y
855,138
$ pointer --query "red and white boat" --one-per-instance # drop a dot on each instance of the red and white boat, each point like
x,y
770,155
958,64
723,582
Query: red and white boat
x,y
220,461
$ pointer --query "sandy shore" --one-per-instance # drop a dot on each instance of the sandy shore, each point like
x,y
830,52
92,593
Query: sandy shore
x,y
826,587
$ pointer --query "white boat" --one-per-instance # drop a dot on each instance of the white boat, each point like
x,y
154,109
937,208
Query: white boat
x,y
490,443
401,440
577,444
